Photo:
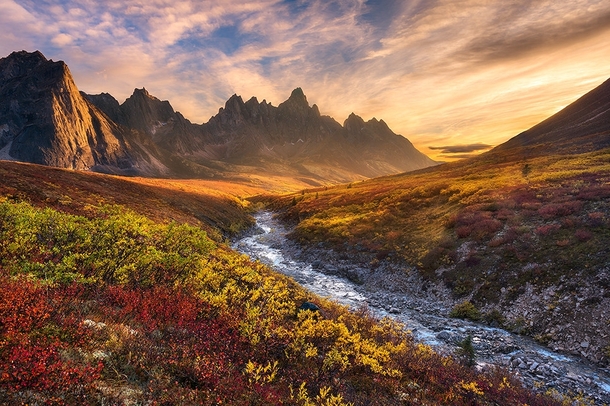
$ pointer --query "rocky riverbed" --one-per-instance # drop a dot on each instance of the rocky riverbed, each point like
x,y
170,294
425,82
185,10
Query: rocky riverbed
x,y
391,290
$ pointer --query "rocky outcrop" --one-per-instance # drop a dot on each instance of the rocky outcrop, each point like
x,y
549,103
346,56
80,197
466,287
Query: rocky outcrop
x,y
569,316
46,120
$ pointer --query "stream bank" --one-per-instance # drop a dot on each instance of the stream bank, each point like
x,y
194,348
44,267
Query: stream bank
x,y
390,290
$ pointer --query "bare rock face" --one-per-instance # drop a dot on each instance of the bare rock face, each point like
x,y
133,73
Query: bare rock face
x,y
107,104
46,120
147,114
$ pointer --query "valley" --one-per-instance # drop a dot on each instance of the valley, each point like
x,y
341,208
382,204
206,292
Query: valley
x,y
102,304
483,281
391,291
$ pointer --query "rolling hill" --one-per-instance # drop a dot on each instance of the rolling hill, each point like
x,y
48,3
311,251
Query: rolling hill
x,y
111,292
582,126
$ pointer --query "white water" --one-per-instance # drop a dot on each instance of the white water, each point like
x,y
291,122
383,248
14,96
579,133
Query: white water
x,y
269,246
264,248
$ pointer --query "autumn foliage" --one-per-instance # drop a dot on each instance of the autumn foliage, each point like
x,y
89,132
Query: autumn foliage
x,y
113,308
479,221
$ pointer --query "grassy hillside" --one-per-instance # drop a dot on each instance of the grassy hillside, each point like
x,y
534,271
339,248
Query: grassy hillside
x,y
216,209
489,228
104,300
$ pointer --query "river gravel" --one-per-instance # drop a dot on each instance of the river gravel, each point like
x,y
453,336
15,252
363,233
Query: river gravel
x,y
388,293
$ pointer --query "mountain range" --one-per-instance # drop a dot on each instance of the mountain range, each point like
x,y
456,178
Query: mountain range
x,y
516,238
44,119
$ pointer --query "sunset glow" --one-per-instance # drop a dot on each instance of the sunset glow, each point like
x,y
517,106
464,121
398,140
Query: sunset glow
x,y
454,77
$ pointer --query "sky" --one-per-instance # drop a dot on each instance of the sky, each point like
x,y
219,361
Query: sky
x,y
453,76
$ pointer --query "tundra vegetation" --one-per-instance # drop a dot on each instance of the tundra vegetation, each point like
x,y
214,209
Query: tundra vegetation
x,y
110,307
478,226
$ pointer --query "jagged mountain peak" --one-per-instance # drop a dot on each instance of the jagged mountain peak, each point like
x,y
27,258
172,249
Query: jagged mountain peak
x,y
253,100
107,104
146,112
297,105
20,63
234,103
297,95
141,91
36,55
356,123
142,94
46,120
152,102
353,121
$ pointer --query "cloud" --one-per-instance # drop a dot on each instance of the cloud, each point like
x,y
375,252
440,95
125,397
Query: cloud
x,y
460,149
443,72
454,157
62,40
535,27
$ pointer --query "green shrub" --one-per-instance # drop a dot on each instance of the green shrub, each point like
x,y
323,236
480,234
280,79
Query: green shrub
x,y
465,310
466,351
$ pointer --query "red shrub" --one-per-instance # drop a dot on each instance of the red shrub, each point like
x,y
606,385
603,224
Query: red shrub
x,y
41,367
551,210
23,306
547,229
595,193
36,333
505,214
486,228
463,231
522,196
583,235
155,308
596,218
469,217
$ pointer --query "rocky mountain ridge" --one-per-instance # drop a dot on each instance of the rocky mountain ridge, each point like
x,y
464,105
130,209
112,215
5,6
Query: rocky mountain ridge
x,y
258,134
44,119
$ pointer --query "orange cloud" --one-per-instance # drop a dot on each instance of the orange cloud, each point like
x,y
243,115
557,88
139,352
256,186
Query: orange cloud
x,y
440,73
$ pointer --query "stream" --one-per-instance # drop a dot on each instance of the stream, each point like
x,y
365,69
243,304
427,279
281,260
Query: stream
x,y
386,292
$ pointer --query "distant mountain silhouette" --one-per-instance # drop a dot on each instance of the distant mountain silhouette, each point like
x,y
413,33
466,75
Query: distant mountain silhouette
x,y
45,119
582,126
293,136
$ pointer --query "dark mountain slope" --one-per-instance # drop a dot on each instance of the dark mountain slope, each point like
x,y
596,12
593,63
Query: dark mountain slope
x,y
582,126
44,119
